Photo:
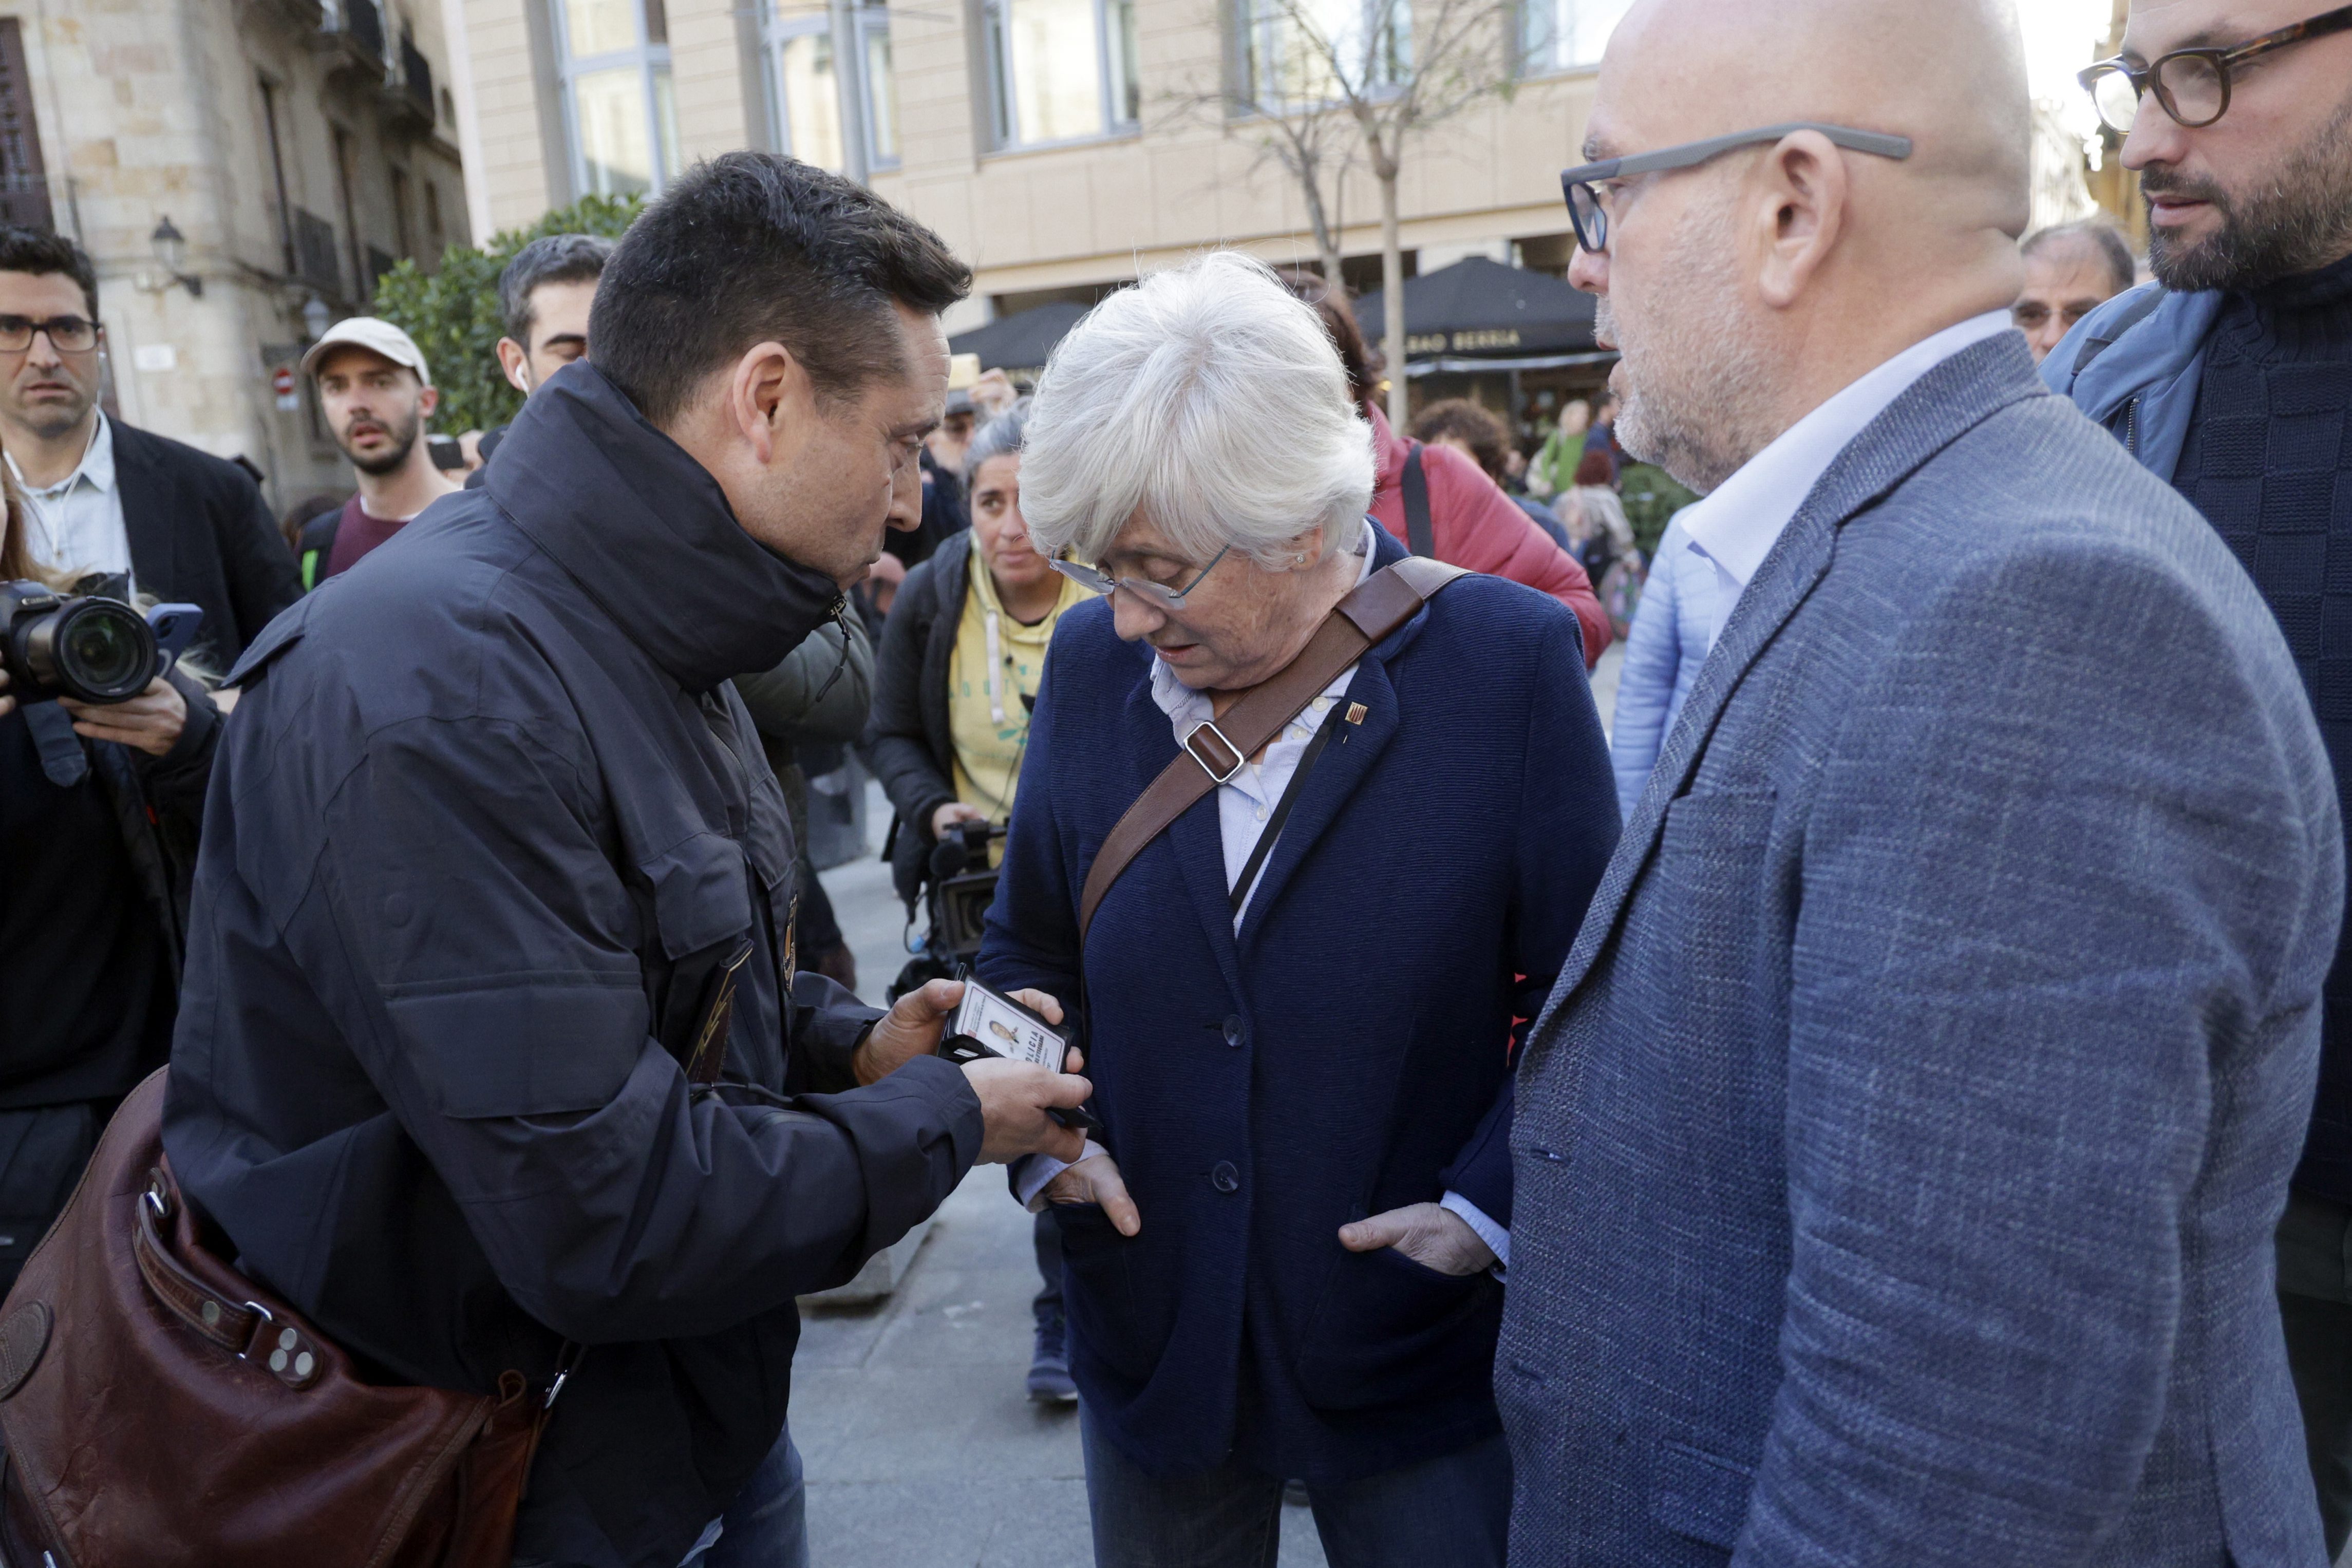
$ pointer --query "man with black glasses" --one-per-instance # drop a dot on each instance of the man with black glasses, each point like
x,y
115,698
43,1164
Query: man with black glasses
x,y
2232,377
101,497
1897,1158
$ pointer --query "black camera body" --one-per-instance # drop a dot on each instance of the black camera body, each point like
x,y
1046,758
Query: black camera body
x,y
963,886
85,646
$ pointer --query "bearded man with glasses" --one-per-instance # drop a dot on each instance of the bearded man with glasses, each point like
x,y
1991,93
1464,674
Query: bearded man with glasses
x,y
1897,1155
102,498
2232,377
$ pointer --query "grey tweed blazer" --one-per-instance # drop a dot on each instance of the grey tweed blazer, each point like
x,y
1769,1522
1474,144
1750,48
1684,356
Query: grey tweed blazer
x,y
1897,1155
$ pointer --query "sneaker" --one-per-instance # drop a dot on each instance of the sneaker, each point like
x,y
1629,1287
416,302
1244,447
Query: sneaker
x,y
1049,1361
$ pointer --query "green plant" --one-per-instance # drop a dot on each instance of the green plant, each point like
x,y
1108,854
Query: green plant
x,y
454,315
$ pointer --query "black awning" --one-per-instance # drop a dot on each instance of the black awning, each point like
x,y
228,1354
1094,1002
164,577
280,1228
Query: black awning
x,y
1481,309
1018,345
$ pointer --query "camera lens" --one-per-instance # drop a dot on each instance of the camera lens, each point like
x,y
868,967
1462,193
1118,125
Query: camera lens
x,y
102,651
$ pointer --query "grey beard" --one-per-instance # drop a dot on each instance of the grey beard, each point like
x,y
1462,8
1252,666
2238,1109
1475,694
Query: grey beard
x,y
1697,426
2297,221
54,420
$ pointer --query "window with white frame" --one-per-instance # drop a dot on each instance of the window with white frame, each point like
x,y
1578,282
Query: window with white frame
x,y
1060,70
616,95
1302,52
1563,35
806,85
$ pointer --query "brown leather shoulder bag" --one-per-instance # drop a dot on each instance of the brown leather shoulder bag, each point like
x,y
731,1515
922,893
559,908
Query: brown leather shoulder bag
x,y
160,1410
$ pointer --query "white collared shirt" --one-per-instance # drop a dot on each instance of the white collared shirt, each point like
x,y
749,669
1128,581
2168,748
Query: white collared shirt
x,y
74,526
1736,527
1244,802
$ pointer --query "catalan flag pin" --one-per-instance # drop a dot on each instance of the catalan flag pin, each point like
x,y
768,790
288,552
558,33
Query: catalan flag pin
x,y
1355,712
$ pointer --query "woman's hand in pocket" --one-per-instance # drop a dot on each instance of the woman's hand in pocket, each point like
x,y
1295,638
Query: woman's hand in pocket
x,y
1431,1235
1096,1179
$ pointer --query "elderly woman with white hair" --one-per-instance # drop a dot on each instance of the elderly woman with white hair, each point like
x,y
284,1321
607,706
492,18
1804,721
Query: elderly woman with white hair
x,y
1304,833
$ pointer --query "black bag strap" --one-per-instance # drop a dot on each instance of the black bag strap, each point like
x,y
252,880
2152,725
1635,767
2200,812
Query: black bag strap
x,y
1264,845
1417,533
2098,344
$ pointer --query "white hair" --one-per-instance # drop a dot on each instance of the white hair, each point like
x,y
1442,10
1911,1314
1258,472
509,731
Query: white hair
x,y
1210,399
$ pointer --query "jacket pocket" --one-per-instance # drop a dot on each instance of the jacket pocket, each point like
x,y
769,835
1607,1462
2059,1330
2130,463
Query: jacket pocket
x,y
1391,1331
1105,1309
1697,1494
702,894
528,1044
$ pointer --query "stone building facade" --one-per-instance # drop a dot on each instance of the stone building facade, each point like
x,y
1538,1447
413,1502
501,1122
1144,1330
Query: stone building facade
x,y
1062,146
299,148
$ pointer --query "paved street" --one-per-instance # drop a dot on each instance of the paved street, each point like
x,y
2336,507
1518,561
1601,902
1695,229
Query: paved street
x,y
922,1451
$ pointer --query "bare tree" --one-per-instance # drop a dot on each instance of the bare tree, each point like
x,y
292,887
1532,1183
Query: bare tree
x,y
1387,69
1313,143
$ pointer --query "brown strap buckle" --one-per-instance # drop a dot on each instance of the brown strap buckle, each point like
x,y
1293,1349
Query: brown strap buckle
x,y
1207,765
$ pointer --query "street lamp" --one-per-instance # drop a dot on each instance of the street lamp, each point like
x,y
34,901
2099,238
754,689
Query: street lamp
x,y
315,318
172,250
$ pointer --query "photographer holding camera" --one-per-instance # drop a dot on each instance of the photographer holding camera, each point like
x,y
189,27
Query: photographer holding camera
x,y
953,685
98,811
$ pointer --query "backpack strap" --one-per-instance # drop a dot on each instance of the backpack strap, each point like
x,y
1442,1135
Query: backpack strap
x,y
1215,751
1417,532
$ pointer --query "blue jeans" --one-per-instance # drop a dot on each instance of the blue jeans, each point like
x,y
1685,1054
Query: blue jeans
x,y
1453,1511
765,1526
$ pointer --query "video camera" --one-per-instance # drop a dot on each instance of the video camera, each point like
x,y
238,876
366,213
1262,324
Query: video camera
x,y
86,646
959,884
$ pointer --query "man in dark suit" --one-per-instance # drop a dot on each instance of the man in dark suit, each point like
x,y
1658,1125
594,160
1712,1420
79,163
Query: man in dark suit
x,y
102,497
1898,1155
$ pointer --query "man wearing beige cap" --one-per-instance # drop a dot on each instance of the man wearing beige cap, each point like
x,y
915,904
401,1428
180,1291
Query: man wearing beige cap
x,y
376,393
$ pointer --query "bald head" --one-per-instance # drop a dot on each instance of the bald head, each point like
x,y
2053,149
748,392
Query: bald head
x,y
1828,261
1950,76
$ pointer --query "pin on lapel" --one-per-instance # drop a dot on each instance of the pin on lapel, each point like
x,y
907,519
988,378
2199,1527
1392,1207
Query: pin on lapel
x,y
1355,712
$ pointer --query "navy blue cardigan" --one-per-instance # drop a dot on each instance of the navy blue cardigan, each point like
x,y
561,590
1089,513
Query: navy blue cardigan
x,y
1346,1052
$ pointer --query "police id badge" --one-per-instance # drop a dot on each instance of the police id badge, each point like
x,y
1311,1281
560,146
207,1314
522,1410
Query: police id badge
x,y
989,1023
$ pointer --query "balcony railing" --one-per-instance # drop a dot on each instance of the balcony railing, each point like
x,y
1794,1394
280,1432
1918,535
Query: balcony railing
x,y
409,100
364,23
316,262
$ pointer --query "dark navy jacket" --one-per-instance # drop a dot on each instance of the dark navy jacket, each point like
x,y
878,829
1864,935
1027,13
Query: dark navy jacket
x,y
487,820
1344,1054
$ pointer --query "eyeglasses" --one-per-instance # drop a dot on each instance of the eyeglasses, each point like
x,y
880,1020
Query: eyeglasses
x,y
2193,85
68,334
1095,579
1588,210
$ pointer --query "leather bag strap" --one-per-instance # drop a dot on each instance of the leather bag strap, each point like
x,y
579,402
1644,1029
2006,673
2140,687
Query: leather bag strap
x,y
1214,752
245,1330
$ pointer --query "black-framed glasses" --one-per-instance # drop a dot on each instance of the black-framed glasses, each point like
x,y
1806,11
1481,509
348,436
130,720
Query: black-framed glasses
x,y
1581,186
1095,579
2192,85
68,334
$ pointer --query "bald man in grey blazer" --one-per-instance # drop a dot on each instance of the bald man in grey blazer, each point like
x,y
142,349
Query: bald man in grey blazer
x,y
1897,1157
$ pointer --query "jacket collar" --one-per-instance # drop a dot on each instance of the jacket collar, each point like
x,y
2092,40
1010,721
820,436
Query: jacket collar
x,y
1938,408
1196,838
2157,363
1388,450
646,532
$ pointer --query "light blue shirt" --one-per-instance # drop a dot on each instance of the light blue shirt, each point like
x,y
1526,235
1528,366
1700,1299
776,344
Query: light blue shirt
x,y
1735,527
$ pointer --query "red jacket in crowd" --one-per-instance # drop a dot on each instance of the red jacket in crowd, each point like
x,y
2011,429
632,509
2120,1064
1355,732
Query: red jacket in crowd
x,y
1473,523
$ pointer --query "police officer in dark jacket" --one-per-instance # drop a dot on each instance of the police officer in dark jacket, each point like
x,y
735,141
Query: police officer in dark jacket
x,y
494,834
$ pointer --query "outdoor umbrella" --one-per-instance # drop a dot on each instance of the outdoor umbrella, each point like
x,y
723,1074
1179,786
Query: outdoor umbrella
x,y
1479,315
1018,345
